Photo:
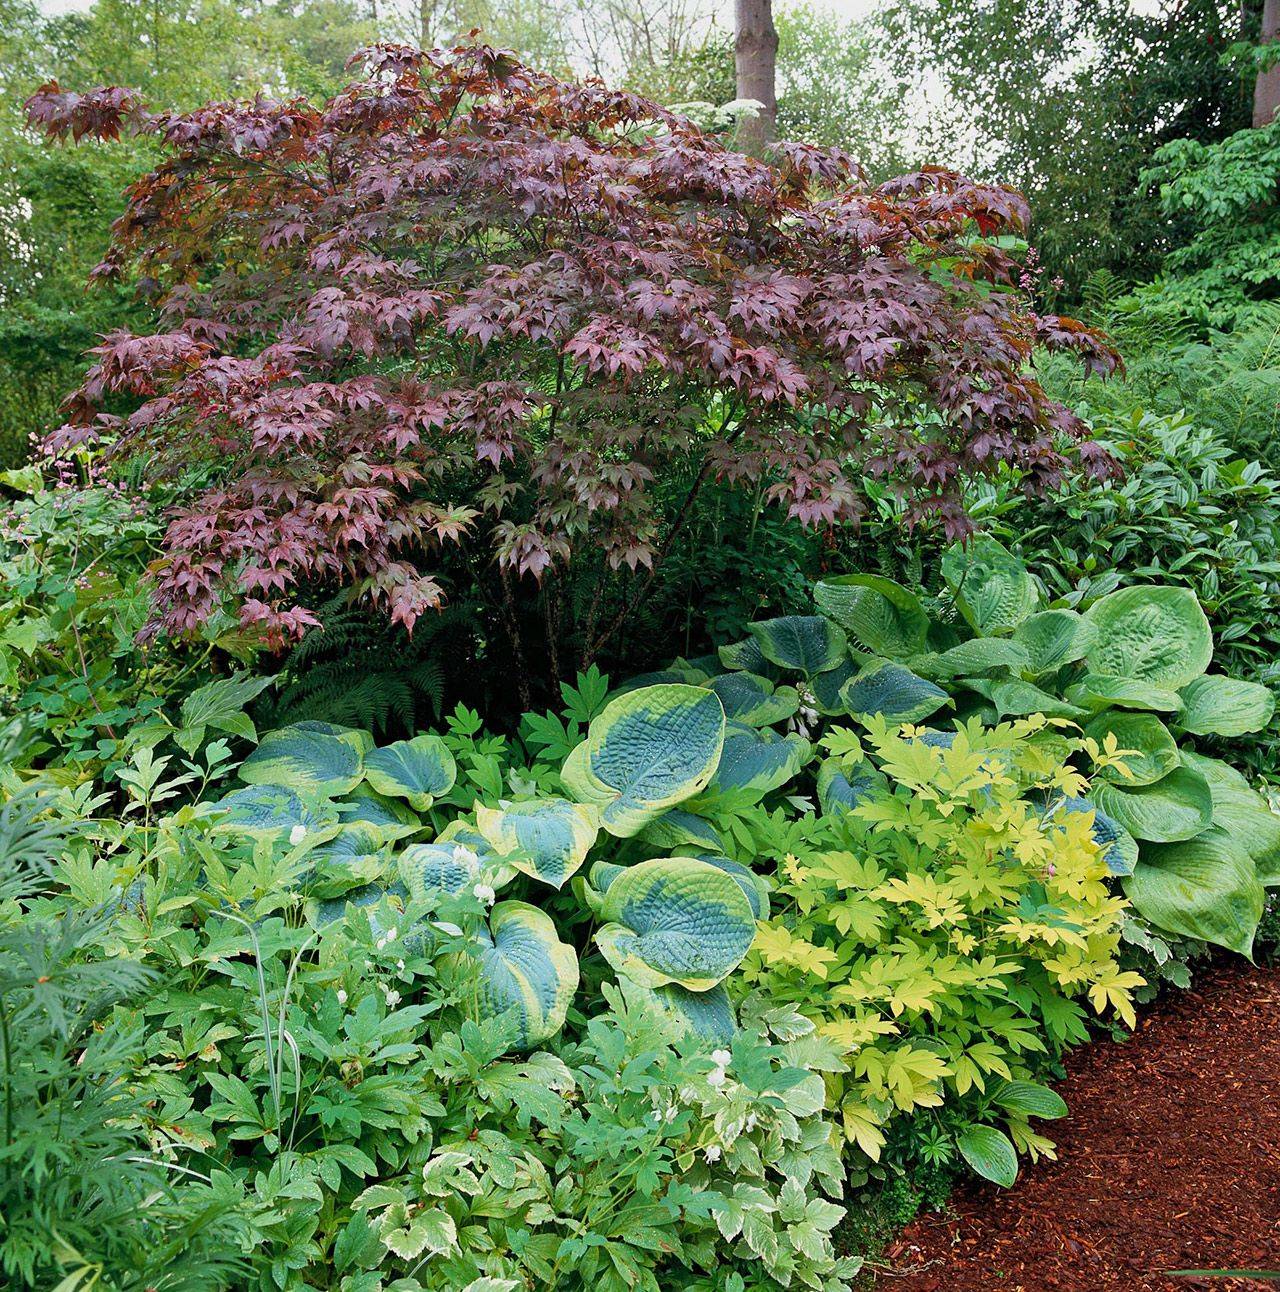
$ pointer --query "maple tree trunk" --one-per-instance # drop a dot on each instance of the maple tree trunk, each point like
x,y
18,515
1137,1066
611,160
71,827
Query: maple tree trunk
x,y
755,51
1266,89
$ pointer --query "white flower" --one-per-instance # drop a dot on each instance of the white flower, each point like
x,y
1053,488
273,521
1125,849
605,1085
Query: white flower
x,y
484,893
670,1114
380,943
392,934
393,998
715,1077
711,1153
342,996
465,856
721,1058
751,1121
297,835
445,926
399,964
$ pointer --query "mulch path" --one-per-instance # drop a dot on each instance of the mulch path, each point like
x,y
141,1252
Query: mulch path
x,y
1170,1159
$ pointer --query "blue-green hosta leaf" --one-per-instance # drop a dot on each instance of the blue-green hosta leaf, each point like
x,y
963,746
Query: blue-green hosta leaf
x,y
394,819
753,700
526,970
760,761
384,904
269,811
1243,813
991,586
547,839
676,829
842,785
311,758
1157,634
707,1016
893,691
826,687
354,857
649,750
1204,888
1098,691
753,886
1014,698
362,739
1053,638
747,656
1155,750
990,1153
976,657
675,920
1220,706
1120,848
438,867
807,644
419,770
681,672
1178,806
881,616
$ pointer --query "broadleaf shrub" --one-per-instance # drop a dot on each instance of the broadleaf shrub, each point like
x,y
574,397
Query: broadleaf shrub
x,y
465,306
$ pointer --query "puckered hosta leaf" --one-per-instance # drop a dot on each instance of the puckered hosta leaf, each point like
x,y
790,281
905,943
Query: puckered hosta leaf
x,y
547,839
1155,750
419,770
526,969
308,757
807,644
355,854
1220,706
880,615
842,785
1053,638
675,920
977,657
459,858
675,829
989,1152
1097,691
1243,813
1204,888
826,687
1157,634
754,886
681,672
364,805
760,761
269,811
649,750
1120,848
991,586
1014,698
747,656
894,692
385,905
705,1015
753,700
1178,806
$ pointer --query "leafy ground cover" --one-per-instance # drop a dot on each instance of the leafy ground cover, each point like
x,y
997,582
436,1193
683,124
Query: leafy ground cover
x,y
1168,1161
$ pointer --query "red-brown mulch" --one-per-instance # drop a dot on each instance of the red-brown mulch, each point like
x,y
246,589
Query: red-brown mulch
x,y
1170,1159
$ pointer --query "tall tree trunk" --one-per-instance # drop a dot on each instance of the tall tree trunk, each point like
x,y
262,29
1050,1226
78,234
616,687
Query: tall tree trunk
x,y
1266,89
755,57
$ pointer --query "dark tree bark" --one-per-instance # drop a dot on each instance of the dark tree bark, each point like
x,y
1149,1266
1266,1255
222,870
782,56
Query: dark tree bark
x,y
1266,89
755,57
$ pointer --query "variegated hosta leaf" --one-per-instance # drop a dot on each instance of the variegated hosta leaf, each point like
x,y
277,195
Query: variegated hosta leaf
x,y
1053,638
1178,806
459,858
677,828
1243,813
747,656
1220,706
385,906
545,838
649,750
760,761
268,811
753,700
893,691
843,785
753,886
1120,848
526,970
1154,750
681,671
825,688
1204,888
308,757
1156,634
1098,691
991,586
675,920
807,644
366,806
419,770
881,616
706,1016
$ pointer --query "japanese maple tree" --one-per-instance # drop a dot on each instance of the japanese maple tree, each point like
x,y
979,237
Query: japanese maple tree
x,y
466,303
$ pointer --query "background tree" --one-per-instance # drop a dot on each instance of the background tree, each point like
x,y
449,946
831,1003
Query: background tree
x,y
755,49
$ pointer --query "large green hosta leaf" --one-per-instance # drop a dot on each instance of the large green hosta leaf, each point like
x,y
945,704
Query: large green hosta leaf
x,y
893,691
754,700
1157,634
675,920
311,758
526,970
1221,706
880,615
991,586
975,657
545,838
760,761
1014,698
1053,638
1178,806
649,750
1154,750
1244,814
1098,691
419,770
807,644
1204,888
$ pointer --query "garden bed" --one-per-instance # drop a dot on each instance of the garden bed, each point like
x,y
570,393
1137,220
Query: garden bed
x,y
1170,1159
